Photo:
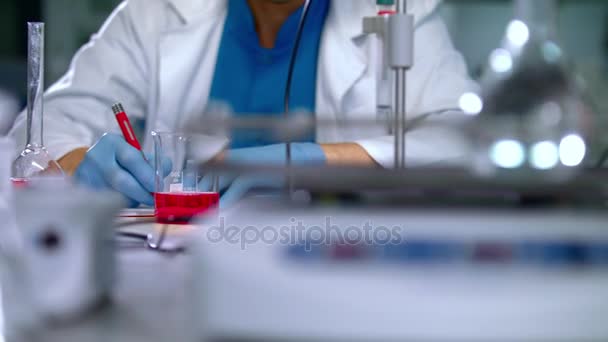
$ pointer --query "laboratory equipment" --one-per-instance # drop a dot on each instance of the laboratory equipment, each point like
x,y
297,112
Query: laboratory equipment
x,y
539,253
182,194
530,111
396,31
65,268
90,288
452,274
151,242
384,88
34,160
10,242
181,207
386,7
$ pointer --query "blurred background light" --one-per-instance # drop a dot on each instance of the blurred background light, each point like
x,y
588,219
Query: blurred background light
x,y
471,103
518,33
501,61
544,155
572,150
508,154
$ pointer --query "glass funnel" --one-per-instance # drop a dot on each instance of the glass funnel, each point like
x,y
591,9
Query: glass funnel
x,y
34,160
530,115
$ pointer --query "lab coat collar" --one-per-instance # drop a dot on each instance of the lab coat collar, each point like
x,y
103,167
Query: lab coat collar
x,y
190,10
349,18
341,61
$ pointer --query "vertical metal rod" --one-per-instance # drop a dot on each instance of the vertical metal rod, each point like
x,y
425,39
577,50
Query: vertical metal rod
x,y
290,181
35,84
400,117
402,6
400,104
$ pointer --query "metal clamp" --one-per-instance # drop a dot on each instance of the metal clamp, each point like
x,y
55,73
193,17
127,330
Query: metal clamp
x,y
397,33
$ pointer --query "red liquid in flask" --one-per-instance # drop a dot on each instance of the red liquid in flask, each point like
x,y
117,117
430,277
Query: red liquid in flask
x,y
180,208
19,182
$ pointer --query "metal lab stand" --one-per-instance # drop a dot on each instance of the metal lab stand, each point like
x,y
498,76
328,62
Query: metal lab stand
x,y
397,34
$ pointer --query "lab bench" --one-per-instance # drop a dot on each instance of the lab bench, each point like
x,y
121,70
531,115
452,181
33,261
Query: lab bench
x,y
221,291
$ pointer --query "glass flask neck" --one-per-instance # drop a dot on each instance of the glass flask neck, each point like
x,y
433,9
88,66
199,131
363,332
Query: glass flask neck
x,y
539,15
35,86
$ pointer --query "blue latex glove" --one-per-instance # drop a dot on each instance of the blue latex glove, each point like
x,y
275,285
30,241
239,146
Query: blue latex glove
x,y
114,164
235,187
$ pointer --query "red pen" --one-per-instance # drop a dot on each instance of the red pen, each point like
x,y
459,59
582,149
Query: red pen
x,y
126,128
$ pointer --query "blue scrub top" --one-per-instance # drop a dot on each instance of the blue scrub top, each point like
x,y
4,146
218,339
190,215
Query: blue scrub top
x,y
251,79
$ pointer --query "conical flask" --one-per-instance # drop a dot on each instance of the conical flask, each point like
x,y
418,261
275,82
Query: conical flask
x,y
34,160
530,113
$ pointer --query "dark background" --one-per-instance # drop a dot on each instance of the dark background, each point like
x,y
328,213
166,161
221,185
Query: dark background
x,y
13,50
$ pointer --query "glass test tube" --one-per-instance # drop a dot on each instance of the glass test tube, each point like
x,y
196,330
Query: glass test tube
x,y
35,85
34,160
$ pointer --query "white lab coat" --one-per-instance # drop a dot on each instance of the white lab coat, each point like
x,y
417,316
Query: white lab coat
x,y
158,57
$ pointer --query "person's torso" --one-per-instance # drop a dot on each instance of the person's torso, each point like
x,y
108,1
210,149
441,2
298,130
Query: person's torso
x,y
346,74
251,80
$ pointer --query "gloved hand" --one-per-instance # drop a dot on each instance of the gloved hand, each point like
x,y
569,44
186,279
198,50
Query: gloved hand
x,y
114,164
235,187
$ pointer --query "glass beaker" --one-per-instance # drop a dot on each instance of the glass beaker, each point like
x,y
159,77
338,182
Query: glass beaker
x,y
183,191
531,112
34,160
